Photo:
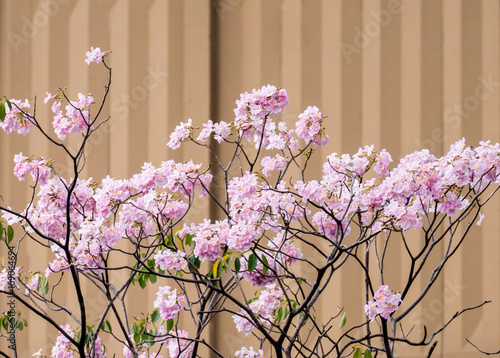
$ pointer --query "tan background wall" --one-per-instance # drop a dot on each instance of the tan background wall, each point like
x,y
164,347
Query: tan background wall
x,y
402,75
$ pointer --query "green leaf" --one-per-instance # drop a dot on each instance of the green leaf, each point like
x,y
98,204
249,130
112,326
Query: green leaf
x,y
196,263
142,280
170,324
45,287
265,264
25,323
10,234
137,338
1,231
219,268
8,103
109,326
153,278
368,354
155,316
3,112
343,320
279,315
252,262
189,239
357,353
237,264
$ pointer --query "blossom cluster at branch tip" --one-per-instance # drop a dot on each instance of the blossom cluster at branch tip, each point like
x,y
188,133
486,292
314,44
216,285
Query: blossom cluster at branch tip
x,y
168,302
75,119
16,118
264,306
384,303
249,353
95,55
38,168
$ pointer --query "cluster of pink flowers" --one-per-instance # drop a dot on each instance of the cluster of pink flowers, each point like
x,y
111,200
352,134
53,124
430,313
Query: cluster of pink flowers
x,y
284,249
249,353
168,302
63,347
31,281
38,168
127,352
75,119
309,127
269,300
178,345
96,206
253,118
208,238
219,131
384,303
252,108
270,164
183,178
15,119
181,133
96,55
170,260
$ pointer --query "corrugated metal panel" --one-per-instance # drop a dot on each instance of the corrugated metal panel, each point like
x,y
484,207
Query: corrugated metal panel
x,y
403,75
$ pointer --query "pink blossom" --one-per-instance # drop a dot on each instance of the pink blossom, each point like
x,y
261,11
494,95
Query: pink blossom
x,y
38,168
31,282
180,134
384,303
288,252
243,322
209,238
168,302
309,126
249,353
179,346
63,347
95,55
15,119
241,236
75,119
270,164
170,260
382,163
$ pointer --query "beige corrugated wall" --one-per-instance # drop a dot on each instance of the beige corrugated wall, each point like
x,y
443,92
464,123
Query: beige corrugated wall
x,y
402,75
